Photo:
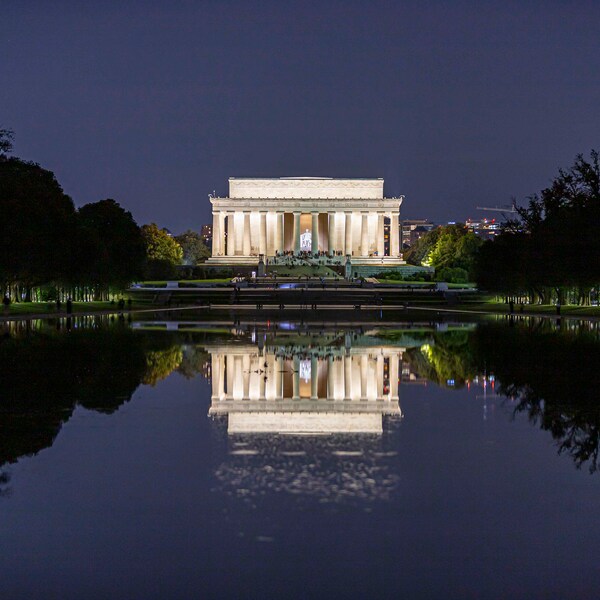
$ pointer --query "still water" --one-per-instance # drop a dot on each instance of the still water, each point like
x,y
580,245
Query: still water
x,y
183,460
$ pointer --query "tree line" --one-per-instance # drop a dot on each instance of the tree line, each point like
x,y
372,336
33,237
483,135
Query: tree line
x,y
49,249
549,253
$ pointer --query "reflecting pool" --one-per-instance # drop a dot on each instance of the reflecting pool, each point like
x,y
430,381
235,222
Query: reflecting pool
x,y
166,459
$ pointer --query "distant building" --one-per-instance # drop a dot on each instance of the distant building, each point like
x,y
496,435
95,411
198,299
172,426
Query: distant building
x,y
413,229
486,229
206,233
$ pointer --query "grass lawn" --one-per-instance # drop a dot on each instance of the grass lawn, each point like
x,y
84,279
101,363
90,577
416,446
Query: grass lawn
x,y
451,286
163,283
49,308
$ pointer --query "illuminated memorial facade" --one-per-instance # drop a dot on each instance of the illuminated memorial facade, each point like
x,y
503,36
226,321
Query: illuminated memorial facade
x,y
308,216
287,389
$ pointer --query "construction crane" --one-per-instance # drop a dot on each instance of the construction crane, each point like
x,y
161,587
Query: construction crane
x,y
507,209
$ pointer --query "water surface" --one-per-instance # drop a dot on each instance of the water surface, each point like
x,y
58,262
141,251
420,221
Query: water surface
x,y
426,460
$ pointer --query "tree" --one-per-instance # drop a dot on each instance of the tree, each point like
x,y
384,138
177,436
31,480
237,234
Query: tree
x,y
193,247
160,245
114,249
6,141
37,225
418,252
554,242
447,249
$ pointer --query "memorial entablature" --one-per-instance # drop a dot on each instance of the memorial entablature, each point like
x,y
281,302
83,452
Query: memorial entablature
x,y
310,217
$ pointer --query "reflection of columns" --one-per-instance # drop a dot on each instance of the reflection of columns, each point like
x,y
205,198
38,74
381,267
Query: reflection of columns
x,y
230,370
215,371
348,374
296,232
364,235
314,248
262,385
296,378
246,375
380,246
394,376
230,235
279,229
363,376
262,240
246,242
279,378
333,241
348,236
330,378
221,383
394,235
379,376
238,378
314,377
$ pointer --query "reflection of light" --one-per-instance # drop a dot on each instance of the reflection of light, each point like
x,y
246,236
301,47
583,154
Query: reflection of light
x,y
450,381
305,370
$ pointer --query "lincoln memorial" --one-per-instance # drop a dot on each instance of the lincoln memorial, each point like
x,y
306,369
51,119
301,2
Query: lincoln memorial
x,y
306,216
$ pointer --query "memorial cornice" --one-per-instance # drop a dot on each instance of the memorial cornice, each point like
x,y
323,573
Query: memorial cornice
x,y
307,205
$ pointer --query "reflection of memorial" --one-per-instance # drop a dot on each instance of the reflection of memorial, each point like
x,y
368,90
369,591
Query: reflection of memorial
x,y
304,389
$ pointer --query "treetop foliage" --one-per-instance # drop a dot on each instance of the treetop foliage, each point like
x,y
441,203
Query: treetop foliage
x,y
553,245
194,249
450,249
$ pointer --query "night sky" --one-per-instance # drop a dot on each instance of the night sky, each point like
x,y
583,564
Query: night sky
x,y
455,104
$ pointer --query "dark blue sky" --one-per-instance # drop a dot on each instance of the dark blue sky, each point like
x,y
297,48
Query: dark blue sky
x,y
156,104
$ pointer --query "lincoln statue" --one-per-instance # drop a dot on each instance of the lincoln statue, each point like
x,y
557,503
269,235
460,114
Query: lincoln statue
x,y
307,216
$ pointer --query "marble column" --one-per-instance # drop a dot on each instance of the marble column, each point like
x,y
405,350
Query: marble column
x,y
330,390
262,240
380,235
246,244
296,232
315,233
348,234
279,228
394,235
333,241
364,235
314,378
230,235
216,234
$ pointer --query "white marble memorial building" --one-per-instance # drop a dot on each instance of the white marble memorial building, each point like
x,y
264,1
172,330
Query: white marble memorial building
x,y
306,216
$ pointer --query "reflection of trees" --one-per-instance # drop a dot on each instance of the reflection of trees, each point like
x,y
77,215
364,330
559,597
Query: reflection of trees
x,y
195,361
44,376
447,357
161,363
555,378
553,375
